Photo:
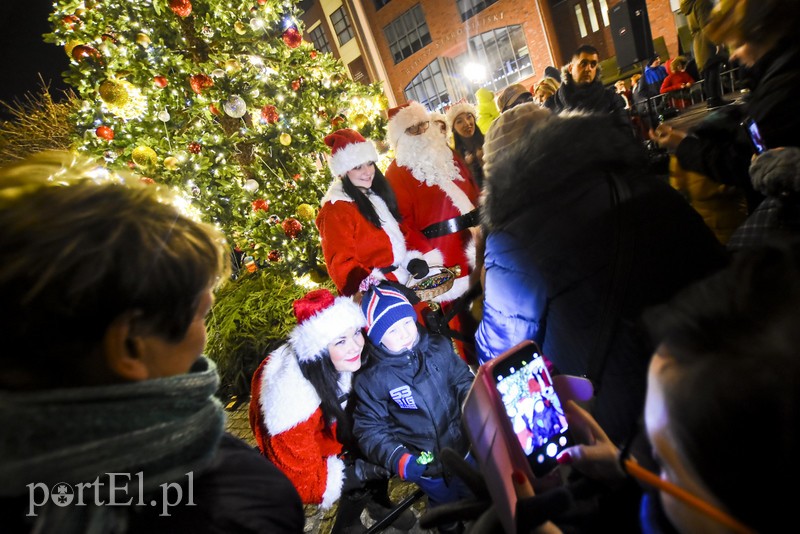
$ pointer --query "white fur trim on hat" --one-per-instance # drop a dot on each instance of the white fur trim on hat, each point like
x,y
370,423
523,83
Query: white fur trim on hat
x,y
314,334
351,156
412,114
457,109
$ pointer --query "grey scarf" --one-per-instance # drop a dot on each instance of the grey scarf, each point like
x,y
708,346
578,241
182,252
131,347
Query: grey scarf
x,y
163,428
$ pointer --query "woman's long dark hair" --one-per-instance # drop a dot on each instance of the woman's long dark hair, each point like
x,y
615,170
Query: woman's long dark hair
x,y
381,187
324,377
471,144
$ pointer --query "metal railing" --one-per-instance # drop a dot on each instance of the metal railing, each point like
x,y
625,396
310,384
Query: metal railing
x,y
683,98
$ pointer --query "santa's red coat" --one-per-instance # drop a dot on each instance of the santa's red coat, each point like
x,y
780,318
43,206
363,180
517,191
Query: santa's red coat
x,y
421,205
286,419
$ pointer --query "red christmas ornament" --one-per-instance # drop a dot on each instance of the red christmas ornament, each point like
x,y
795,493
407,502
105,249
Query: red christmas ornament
x,y
146,180
200,82
262,2
182,8
195,147
292,37
160,81
313,54
296,177
214,110
83,52
337,121
104,132
260,204
269,114
291,227
296,84
274,255
70,21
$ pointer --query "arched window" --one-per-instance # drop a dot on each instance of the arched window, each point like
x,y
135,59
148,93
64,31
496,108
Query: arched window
x,y
429,87
504,52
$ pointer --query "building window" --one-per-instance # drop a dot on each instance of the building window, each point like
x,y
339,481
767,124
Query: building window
x,y
504,53
380,3
592,15
320,40
581,23
428,87
341,25
469,8
604,12
407,33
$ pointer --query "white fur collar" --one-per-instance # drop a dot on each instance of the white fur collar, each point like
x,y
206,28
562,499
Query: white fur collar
x,y
287,398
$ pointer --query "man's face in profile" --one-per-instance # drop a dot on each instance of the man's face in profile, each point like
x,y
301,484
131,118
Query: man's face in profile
x,y
584,68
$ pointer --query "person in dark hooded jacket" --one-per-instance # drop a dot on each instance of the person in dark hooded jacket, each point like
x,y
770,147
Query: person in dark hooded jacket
x,y
577,247
581,89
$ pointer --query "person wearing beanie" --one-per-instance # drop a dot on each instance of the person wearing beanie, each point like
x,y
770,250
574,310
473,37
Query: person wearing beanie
x,y
359,223
298,408
467,137
582,89
513,95
544,90
437,198
486,109
565,265
409,396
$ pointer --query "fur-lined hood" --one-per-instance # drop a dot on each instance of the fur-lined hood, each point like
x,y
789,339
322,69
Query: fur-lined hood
x,y
544,156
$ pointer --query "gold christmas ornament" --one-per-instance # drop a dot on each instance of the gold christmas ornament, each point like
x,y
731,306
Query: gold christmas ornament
x,y
113,92
360,120
306,211
233,65
171,163
144,156
69,46
239,27
143,39
285,139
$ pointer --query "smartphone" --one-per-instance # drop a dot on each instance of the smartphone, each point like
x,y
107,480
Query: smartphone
x,y
508,415
755,136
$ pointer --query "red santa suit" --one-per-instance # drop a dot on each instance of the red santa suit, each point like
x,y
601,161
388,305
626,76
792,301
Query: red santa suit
x,y
353,247
429,193
285,413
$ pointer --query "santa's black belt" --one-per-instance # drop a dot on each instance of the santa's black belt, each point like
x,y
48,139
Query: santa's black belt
x,y
451,226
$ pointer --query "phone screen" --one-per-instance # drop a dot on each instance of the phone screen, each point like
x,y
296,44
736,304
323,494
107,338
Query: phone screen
x,y
534,409
755,136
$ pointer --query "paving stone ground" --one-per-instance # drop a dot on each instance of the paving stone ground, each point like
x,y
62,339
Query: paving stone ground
x,y
317,520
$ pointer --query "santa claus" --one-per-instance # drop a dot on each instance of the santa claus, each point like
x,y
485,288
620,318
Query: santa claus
x,y
436,194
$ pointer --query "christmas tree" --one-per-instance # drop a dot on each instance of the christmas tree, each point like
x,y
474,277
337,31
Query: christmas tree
x,y
224,100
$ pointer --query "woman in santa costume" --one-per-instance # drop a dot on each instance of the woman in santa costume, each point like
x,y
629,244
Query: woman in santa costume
x,y
437,198
359,224
298,413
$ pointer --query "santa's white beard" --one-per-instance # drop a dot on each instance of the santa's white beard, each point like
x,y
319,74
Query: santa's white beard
x,y
428,157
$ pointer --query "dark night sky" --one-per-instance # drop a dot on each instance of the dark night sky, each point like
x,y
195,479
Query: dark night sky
x,y
23,52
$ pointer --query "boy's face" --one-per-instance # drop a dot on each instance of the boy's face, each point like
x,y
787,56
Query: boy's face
x,y
401,336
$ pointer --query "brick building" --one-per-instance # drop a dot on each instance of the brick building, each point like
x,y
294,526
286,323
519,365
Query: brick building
x,y
438,51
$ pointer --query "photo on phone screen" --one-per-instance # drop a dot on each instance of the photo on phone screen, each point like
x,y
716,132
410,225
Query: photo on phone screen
x,y
534,409
755,136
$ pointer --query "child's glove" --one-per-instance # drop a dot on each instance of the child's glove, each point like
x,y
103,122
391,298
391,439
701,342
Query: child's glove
x,y
408,468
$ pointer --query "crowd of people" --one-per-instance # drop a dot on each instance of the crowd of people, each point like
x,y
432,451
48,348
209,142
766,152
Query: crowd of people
x,y
542,207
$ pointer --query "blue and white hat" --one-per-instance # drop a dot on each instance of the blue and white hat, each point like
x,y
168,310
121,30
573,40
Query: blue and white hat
x,y
384,306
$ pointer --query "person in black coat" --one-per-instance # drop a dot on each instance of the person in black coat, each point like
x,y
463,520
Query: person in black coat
x,y
719,146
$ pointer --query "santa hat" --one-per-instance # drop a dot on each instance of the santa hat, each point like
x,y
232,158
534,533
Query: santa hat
x,y
349,149
403,117
457,109
383,307
321,318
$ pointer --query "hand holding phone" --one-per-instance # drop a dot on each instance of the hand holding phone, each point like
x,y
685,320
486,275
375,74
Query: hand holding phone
x,y
755,136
